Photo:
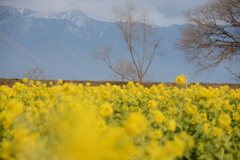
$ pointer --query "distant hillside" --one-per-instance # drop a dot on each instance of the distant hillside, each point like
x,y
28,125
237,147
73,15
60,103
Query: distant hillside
x,y
62,43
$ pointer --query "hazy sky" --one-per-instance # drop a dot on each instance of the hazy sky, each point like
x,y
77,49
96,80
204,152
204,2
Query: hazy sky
x,y
163,12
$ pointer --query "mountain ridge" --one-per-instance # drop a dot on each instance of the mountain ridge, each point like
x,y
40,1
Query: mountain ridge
x,y
63,43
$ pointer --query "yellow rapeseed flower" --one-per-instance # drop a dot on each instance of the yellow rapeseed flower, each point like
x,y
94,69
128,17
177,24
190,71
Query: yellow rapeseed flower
x,y
172,125
158,116
175,148
60,81
38,83
31,82
13,108
216,132
172,110
199,118
236,116
113,122
228,130
130,84
191,110
152,104
6,146
101,126
24,80
105,109
105,95
135,124
206,128
181,79
156,134
51,83
224,120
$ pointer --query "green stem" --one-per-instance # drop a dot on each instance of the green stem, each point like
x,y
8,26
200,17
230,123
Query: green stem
x,y
222,153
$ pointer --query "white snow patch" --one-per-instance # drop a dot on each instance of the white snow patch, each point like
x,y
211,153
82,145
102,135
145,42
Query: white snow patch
x,y
101,35
36,14
76,16
48,15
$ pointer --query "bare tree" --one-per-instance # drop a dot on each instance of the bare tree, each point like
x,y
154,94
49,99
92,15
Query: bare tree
x,y
121,68
213,35
237,75
35,73
126,68
141,38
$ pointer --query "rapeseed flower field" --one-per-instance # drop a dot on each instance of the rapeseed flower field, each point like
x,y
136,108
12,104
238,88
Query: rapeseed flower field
x,y
41,121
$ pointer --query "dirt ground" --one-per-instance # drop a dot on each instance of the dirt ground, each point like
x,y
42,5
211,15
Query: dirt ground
x,y
10,82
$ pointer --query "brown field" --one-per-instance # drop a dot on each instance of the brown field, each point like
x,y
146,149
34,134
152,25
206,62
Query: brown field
x,y
10,82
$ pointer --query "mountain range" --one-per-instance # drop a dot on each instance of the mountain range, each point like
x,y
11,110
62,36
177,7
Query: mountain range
x,y
62,43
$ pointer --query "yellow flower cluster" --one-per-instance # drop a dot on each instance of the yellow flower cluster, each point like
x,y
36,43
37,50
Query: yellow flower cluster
x,y
110,122
181,79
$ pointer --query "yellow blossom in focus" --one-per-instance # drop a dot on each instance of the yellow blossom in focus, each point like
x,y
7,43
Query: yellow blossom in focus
x,y
181,79
130,84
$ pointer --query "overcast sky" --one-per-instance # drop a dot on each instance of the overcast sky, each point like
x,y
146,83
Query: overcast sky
x,y
163,12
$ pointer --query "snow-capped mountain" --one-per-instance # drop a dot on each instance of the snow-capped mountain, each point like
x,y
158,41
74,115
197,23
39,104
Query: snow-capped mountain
x,y
62,43
76,16
8,16
6,11
35,14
